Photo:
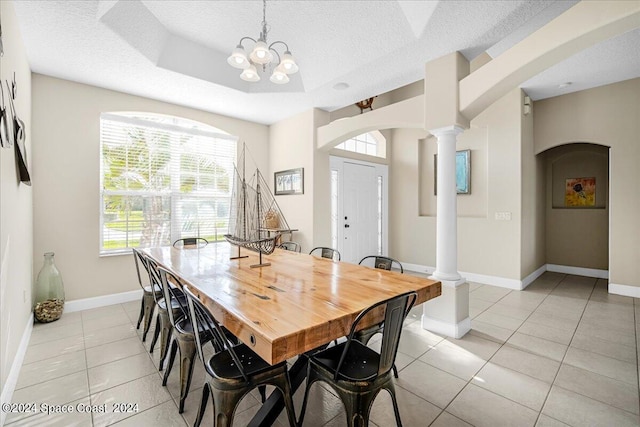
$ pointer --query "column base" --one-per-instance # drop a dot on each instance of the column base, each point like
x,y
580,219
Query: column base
x,y
455,330
450,283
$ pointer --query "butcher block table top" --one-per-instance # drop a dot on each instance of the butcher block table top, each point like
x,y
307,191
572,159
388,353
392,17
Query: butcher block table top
x,y
296,304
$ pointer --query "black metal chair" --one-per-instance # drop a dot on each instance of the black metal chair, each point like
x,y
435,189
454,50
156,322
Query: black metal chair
x,y
290,246
233,370
183,336
163,323
148,303
326,252
191,242
356,372
383,262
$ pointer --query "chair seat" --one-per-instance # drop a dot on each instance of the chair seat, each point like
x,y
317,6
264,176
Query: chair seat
x,y
360,364
221,365
175,304
150,290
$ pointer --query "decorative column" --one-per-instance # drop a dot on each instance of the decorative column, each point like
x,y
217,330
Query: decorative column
x,y
449,313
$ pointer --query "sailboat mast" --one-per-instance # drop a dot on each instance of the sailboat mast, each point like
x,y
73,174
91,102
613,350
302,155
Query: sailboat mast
x,y
258,202
244,195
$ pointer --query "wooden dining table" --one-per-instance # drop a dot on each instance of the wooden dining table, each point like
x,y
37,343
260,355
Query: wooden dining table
x,y
296,304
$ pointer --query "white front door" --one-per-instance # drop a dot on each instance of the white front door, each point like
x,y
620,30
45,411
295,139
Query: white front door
x,y
359,225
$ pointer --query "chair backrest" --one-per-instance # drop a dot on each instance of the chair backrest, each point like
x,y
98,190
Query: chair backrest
x,y
383,262
202,319
154,278
290,246
140,258
172,293
395,311
191,242
326,252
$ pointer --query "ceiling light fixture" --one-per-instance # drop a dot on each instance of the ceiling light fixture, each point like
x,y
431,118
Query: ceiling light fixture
x,y
262,55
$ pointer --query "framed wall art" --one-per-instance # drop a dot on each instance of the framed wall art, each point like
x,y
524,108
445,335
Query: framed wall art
x,y
580,192
289,182
463,172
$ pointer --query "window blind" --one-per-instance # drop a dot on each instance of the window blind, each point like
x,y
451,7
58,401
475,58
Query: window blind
x,y
162,178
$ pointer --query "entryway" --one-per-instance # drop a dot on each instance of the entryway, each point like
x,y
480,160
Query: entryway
x,y
359,211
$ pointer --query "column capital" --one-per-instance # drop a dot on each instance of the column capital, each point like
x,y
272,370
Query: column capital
x,y
447,130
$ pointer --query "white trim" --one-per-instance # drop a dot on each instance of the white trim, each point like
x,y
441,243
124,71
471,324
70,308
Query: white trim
x,y
455,330
424,269
533,276
501,282
578,271
624,290
514,284
101,301
12,379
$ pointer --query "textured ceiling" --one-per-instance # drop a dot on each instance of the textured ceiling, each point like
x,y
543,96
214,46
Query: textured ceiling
x,y
176,51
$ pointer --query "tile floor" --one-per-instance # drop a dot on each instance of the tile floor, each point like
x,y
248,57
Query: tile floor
x,y
562,352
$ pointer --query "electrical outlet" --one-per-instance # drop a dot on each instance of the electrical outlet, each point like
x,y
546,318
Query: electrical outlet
x,y
503,216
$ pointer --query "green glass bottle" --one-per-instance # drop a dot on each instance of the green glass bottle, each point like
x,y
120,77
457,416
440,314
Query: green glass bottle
x,y
49,292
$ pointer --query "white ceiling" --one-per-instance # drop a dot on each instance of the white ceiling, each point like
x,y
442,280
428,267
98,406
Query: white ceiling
x,y
176,51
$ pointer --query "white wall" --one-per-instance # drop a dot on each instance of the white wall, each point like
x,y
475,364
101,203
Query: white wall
x,y
608,115
66,164
16,229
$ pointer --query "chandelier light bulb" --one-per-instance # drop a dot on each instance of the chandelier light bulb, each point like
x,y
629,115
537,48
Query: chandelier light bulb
x,y
261,54
289,64
250,74
279,75
238,58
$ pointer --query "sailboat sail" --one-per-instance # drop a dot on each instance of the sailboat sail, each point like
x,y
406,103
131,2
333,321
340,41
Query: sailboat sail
x,y
252,209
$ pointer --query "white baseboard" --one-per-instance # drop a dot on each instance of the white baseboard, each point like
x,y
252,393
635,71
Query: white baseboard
x,y
578,271
533,276
502,282
478,278
515,284
12,379
624,290
418,268
455,330
95,302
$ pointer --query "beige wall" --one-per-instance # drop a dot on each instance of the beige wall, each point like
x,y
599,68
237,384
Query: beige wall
x,y
66,168
16,206
485,245
533,235
291,145
610,116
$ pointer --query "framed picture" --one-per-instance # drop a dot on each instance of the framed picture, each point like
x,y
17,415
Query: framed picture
x,y
463,172
580,192
289,182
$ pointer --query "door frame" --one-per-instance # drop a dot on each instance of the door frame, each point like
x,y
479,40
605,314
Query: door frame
x,y
336,163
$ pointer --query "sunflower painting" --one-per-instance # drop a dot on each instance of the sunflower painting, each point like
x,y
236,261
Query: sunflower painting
x,y
580,192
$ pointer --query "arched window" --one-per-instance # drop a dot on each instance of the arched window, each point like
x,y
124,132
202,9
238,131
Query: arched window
x,y
371,143
162,178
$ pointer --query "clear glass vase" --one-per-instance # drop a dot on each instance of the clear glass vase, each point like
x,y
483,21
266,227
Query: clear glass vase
x,y
49,292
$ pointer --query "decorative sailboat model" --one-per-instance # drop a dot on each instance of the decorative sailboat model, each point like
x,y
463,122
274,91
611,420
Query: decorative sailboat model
x,y
253,210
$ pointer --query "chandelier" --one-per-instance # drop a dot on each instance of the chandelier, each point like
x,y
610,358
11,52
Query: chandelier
x,y
262,55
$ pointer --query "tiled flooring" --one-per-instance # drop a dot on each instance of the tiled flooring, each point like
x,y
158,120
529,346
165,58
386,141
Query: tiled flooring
x,y
562,352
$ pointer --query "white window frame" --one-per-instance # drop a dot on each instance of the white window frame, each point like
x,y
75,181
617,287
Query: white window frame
x,y
362,143
175,228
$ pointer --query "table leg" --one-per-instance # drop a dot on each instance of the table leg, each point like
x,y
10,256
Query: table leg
x,y
271,409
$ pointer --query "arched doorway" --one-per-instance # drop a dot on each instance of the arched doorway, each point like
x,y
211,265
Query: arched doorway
x,y
577,209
